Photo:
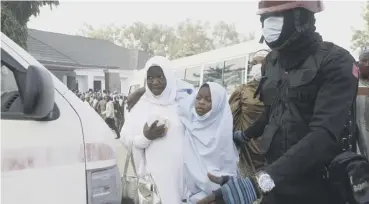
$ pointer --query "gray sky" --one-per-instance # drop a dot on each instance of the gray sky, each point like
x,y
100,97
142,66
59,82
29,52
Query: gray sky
x,y
335,23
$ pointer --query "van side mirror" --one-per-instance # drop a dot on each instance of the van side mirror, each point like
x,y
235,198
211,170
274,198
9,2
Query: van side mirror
x,y
39,95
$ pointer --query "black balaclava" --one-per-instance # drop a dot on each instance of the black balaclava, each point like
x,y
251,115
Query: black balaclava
x,y
298,38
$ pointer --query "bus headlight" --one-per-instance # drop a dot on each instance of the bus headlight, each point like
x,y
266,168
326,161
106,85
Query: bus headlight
x,y
104,186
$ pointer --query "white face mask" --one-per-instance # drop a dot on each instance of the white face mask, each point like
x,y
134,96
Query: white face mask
x,y
272,28
256,72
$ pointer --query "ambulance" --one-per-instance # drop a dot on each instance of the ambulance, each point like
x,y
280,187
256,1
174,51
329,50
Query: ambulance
x,y
54,148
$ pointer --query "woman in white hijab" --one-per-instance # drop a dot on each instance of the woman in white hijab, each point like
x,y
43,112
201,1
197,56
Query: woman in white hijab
x,y
156,133
208,141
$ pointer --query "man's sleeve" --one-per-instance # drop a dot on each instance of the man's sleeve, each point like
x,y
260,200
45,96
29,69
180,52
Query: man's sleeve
x,y
334,100
257,127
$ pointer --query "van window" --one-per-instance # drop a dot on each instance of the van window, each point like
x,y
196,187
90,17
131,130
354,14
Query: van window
x,y
8,83
10,96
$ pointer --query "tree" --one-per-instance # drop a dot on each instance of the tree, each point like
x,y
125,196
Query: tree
x,y
154,39
185,39
214,72
110,32
15,15
226,34
192,38
360,38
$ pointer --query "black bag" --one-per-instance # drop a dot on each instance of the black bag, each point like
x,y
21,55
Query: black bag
x,y
348,176
348,172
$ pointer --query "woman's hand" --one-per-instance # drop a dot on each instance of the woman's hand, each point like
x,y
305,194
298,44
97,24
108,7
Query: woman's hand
x,y
154,132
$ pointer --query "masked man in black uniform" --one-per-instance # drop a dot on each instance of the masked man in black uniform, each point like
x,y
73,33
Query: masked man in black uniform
x,y
309,88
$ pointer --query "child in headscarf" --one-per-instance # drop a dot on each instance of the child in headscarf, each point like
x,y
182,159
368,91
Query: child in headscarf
x,y
156,132
208,144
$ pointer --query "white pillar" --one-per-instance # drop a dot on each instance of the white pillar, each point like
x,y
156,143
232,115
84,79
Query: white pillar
x,y
90,82
65,81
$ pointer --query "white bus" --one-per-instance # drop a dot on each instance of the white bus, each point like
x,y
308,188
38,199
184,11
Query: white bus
x,y
227,66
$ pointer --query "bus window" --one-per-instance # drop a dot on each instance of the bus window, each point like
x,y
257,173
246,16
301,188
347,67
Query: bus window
x,y
250,64
234,73
214,72
192,76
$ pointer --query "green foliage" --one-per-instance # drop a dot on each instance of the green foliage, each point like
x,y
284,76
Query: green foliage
x,y
186,38
360,38
15,15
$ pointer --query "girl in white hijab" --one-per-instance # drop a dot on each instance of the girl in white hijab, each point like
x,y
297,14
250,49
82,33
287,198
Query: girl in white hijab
x,y
208,141
158,147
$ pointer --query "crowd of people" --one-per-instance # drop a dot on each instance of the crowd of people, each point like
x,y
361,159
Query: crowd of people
x,y
303,123
110,106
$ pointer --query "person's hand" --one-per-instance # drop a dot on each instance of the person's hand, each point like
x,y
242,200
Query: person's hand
x,y
134,97
218,180
211,199
228,192
216,197
154,131
239,138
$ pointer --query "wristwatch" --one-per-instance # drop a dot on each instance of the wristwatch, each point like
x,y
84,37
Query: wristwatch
x,y
265,182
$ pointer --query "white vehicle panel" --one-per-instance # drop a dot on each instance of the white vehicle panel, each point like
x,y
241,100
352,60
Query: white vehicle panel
x,y
46,166
99,138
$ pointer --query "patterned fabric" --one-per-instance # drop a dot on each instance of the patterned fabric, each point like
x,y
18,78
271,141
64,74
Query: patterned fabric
x,y
245,110
239,191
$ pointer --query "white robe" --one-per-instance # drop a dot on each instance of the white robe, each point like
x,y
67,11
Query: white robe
x,y
208,144
162,158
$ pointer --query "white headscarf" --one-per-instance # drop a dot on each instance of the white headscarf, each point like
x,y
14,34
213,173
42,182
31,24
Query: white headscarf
x,y
169,94
209,144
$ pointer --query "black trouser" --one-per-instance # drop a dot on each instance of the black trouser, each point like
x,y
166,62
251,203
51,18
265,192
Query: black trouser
x,y
111,123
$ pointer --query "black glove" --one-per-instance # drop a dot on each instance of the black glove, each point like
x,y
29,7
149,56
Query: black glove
x,y
240,138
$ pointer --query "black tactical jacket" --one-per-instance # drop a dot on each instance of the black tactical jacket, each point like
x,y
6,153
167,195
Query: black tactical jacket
x,y
308,112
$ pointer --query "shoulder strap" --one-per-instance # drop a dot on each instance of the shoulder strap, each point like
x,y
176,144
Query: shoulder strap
x,y
129,159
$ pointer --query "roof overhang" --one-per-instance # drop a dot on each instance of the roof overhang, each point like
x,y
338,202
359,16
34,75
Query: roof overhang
x,y
63,72
68,65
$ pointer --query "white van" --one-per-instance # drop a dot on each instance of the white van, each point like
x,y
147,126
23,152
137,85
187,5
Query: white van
x,y
54,148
